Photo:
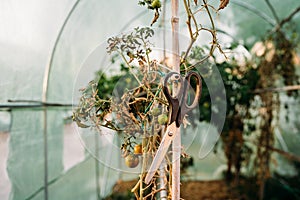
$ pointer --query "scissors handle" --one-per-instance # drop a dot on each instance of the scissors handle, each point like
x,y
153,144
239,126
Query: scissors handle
x,y
174,100
197,92
179,107
184,106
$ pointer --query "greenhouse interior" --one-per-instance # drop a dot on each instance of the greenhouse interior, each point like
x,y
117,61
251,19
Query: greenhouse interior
x,y
150,99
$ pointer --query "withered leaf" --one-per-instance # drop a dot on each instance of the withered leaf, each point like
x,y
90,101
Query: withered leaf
x,y
223,4
156,16
81,125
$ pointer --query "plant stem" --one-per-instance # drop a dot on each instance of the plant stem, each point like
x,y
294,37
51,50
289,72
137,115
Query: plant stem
x,y
210,17
135,76
193,38
144,164
129,67
287,19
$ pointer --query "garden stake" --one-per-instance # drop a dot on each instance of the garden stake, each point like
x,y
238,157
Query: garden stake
x,y
176,145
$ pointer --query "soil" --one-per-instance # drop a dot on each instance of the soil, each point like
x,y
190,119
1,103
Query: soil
x,y
197,190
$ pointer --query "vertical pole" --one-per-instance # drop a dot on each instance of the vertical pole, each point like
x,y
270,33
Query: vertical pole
x,y
44,98
97,175
164,30
176,146
45,133
163,194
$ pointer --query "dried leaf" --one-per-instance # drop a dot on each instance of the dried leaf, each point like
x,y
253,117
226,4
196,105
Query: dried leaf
x,y
223,4
131,56
196,2
81,125
156,16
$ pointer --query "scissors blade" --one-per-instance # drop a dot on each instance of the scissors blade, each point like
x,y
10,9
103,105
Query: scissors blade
x,y
162,151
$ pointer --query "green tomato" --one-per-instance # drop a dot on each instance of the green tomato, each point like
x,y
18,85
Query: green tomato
x,y
155,111
162,119
156,4
206,104
128,80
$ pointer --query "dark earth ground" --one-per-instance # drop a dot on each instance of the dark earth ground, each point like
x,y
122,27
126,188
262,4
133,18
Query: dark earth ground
x,y
276,188
197,190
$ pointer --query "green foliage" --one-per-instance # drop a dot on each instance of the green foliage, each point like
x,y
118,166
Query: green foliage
x,y
131,43
128,94
106,84
239,83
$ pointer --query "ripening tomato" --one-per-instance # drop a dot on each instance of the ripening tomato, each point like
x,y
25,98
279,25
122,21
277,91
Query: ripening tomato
x,y
138,149
131,160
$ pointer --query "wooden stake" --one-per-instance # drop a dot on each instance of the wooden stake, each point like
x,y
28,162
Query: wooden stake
x,y
176,146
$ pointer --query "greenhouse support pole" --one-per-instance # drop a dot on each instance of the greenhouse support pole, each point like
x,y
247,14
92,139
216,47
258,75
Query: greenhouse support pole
x,y
45,95
176,146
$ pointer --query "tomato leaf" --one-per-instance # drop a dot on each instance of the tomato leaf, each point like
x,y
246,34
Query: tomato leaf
x,y
223,4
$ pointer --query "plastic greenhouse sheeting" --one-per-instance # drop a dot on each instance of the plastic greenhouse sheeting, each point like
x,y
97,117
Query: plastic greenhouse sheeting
x,y
29,31
26,155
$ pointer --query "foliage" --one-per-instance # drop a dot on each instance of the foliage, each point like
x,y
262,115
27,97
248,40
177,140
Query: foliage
x,y
133,98
129,98
139,109
275,64
135,44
